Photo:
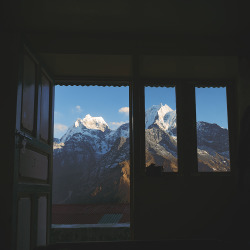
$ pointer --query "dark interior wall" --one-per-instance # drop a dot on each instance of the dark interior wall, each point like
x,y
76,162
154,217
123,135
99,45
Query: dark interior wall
x,y
243,90
243,84
189,67
182,207
88,65
150,66
9,80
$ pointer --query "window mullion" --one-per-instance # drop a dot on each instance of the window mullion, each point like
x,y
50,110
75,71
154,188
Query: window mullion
x,y
186,129
138,123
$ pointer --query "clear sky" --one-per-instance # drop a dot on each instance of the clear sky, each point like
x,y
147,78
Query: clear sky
x,y
72,102
157,95
211,105
112,103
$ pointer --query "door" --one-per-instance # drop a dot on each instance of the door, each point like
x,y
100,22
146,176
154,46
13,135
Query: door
x,y
33,154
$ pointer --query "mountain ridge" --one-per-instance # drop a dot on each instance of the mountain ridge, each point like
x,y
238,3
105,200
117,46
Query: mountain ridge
x,y
91,164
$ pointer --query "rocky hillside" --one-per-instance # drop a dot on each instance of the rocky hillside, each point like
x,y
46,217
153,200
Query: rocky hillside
x,y
91,163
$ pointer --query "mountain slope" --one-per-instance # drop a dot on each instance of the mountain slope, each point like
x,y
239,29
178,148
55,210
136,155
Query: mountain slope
x,y
91,162
213,148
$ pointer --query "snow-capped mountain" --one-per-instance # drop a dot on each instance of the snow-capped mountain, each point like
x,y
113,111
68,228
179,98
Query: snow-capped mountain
x,y
212,138
96,127
213,147
161,115
93,130
91,161
88,125
88,162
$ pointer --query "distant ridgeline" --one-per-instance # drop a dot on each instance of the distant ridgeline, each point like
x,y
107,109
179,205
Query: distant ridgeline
x,y
91,161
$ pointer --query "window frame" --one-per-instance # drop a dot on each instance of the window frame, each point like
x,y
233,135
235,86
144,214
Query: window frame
x,y
183,87
231,113
184,90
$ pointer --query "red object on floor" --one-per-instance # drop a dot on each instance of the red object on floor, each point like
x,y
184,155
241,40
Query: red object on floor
x,y
87,214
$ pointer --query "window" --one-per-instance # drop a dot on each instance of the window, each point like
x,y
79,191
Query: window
x,y
203,129
161,129
212,129
91,178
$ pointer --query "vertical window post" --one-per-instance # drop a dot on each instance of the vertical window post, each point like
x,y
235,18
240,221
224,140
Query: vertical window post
x,y
186,129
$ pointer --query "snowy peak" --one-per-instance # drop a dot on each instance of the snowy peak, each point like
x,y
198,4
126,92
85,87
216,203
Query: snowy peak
x,y
164,109
162,115
95,127
90,122
87,126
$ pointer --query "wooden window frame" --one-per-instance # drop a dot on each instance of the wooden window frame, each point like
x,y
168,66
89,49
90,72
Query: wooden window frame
x,y
186,122
185,101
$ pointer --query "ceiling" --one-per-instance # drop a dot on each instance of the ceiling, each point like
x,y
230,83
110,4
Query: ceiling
x,y
125,27
175,17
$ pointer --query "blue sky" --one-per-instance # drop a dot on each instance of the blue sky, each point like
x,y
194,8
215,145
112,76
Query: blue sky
x,y
112,103
157,95
74,102
211,105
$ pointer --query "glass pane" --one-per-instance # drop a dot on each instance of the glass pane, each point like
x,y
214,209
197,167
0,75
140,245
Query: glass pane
x,y
212,130
28,98
45,102
91,173
160,129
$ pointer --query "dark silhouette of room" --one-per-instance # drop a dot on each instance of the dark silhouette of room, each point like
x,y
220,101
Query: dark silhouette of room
x,y
183,45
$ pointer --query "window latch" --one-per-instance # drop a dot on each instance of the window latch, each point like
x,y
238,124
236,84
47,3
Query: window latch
x,y
22,141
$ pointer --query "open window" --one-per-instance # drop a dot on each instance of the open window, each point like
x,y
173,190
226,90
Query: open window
x,y
91,168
